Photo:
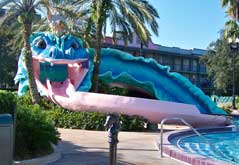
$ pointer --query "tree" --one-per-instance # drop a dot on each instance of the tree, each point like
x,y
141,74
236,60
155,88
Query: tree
x,y
219,64
231,33
231,26
25,10
231,30
8,58
124,18
232,8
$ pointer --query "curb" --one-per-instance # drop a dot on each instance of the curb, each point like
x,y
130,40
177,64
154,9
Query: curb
x,y
41,160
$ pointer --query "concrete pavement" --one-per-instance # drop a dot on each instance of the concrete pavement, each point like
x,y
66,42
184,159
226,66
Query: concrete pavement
x,y
81,147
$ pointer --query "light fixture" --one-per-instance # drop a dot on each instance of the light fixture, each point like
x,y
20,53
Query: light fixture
x,y
234,45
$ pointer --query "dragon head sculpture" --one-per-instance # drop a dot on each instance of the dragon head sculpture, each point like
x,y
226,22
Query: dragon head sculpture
x,y
58,61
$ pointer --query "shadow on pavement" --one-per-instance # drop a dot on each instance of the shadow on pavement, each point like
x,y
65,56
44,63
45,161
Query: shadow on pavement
x,y
79,155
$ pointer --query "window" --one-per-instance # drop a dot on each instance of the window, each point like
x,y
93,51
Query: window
x,y
149,55
159,59
177,64
195,66
202,67
186,64
154,56
167,61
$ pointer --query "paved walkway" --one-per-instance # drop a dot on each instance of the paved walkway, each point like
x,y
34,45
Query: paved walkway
x,y
80,147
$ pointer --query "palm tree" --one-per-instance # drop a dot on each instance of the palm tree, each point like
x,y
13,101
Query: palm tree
x,y
232,8
231,26
231,30
25,10
124,18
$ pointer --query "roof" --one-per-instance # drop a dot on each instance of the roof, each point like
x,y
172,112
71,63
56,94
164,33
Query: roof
x,y
194,51
166,49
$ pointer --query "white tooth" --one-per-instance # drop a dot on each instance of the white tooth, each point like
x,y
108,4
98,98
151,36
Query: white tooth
x,y
76,65
52,64
70,65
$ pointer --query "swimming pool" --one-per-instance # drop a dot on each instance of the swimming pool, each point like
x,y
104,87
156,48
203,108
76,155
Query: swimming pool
x,y
217,146
222,146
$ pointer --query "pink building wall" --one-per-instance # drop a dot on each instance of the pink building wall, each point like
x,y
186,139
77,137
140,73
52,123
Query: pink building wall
x,y
135,43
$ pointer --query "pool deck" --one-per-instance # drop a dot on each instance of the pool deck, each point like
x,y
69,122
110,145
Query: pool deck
x,y
81,147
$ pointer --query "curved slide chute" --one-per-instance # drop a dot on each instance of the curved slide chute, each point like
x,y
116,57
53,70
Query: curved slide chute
x,y
63,74
157,80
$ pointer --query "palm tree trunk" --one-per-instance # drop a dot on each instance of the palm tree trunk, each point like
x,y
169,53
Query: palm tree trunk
x,y
29,64
99,27
95,78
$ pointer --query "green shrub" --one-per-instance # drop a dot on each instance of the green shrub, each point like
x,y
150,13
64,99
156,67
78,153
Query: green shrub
x,y
76,120
105,88
237,99
44,102
133,123
226,107
34,133
7,101
91,120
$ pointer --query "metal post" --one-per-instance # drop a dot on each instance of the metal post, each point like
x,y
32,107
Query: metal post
x,y
233,80
141,49
161,139
112,123
234,44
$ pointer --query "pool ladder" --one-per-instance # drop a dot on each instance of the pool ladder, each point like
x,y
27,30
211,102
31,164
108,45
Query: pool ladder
x,y
194,130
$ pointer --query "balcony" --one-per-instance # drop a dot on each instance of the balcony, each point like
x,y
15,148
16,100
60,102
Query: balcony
x,y
186,68
177,67
202,70
194,69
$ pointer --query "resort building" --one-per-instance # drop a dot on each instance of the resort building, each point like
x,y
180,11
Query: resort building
x,y
183,61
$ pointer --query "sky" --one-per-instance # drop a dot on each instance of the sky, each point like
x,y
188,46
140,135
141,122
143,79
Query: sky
x,y
189,23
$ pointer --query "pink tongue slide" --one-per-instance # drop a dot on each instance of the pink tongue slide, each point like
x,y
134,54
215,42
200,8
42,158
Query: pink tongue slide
x,y
153,110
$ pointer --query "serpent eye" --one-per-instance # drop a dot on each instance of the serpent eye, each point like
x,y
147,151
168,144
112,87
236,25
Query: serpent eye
x,y
41,44
75,45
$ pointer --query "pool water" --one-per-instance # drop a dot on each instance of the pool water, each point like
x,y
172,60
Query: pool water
x,y
235,121
222,146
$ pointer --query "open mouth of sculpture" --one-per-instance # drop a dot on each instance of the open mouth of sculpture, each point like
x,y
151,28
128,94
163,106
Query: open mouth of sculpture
x,y
56,76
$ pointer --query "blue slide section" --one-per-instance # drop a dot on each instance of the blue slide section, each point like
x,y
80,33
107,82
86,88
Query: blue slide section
x,y
147,74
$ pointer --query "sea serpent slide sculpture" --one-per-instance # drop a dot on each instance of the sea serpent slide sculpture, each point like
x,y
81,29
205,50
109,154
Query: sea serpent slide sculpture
x,y
63,69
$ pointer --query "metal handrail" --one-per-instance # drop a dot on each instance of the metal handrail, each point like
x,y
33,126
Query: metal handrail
x,y
184,122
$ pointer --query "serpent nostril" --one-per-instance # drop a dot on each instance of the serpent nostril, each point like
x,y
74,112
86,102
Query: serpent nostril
x,y
51,54
56,54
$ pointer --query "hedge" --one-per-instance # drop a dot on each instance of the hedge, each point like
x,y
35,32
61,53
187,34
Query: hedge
x,y
35,134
